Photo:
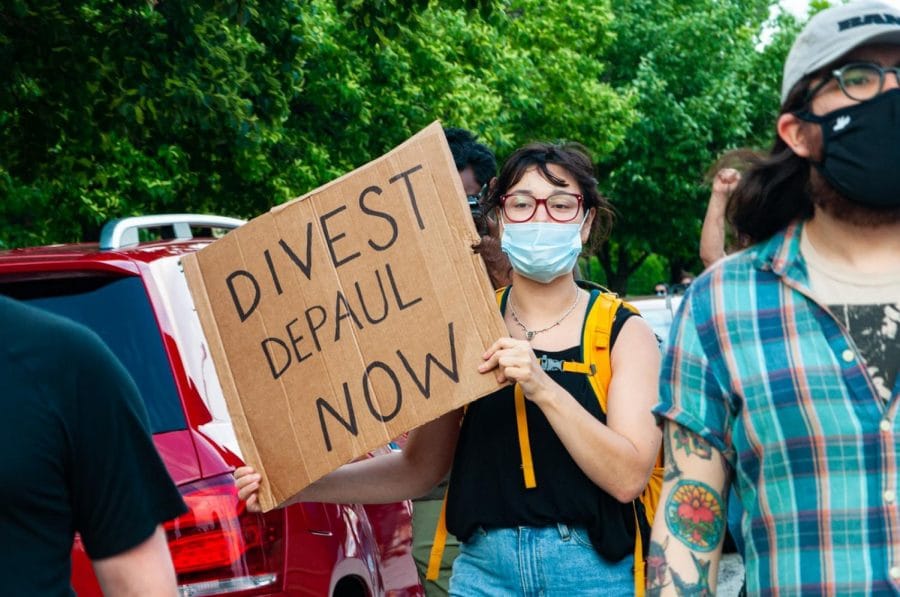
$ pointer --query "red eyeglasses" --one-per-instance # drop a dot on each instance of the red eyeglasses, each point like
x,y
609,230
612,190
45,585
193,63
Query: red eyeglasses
x,y
560,206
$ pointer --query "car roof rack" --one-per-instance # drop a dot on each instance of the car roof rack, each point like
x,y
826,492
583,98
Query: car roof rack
x,y
123,232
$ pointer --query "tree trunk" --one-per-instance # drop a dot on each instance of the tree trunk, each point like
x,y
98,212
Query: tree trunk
x,y
620,283
617,279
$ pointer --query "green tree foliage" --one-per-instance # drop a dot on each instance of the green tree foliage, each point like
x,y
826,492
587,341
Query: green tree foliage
x,y
506,78
695,69
116,107
112,108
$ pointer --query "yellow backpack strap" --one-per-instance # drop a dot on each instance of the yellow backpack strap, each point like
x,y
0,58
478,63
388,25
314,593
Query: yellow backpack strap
x,y
595,342
502,294
438,545
524,442
573,367
440,535
521,418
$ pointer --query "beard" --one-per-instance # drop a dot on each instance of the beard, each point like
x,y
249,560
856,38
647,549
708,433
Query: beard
x,y
829,200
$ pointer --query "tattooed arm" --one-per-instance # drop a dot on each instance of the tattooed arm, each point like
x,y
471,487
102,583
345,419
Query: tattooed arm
x,y
690,521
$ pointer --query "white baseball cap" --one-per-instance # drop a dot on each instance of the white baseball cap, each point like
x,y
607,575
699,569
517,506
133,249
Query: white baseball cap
x,y
835,31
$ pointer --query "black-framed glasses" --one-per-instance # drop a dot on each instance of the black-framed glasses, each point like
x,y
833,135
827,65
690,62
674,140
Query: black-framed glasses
x,y
859,81
475,200
560,206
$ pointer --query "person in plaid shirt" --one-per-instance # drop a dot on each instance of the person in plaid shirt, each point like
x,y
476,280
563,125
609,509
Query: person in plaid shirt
x,y
781,375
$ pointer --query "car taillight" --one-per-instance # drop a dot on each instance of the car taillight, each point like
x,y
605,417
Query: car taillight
x,y
218,547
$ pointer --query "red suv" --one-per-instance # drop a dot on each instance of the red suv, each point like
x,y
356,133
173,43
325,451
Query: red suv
x,y
131,291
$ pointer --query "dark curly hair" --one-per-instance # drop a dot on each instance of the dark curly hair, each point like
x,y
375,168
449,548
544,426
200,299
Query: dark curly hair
x,y
467,151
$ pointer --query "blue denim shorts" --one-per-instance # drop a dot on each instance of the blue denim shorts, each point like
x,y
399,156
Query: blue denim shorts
x,y
554,561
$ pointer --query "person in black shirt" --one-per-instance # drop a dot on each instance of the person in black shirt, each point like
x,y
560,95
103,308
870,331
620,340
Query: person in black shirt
x,y
77,457
570,530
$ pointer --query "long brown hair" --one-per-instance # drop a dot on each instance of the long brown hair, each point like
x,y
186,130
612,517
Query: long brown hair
x,y
774,188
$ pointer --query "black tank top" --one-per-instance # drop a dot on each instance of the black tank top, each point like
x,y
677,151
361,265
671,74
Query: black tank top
x,y
486,483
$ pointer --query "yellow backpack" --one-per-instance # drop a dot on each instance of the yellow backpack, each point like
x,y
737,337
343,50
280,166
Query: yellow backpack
x,y
596,365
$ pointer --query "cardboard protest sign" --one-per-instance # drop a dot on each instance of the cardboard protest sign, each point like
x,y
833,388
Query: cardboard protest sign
x,y
343,318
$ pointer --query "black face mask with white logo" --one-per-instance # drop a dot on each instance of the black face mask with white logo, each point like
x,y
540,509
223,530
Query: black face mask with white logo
x,y
861,150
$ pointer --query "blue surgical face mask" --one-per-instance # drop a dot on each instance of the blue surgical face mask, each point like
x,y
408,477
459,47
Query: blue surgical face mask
x,y
542,251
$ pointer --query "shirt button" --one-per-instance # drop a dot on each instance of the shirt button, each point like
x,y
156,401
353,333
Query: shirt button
x,y
848,357
895,572
885,425
889,496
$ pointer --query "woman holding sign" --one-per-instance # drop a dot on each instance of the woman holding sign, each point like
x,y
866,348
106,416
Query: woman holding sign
x,y
546,470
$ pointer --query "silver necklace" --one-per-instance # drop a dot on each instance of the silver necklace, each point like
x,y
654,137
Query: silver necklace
x,y
529,334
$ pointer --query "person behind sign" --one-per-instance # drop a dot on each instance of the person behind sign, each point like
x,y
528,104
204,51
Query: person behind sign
x,y
477,168
78,457
782,373
572,534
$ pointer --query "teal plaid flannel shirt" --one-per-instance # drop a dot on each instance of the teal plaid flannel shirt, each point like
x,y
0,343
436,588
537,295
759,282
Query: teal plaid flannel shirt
x,y
762,371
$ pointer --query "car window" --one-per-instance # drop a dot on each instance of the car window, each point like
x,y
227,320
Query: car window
x,y
118,310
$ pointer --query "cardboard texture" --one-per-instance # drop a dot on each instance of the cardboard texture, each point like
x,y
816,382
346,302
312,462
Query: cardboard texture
x,y
347,316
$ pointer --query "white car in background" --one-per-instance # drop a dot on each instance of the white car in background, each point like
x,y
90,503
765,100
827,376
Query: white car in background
x,y
658,312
